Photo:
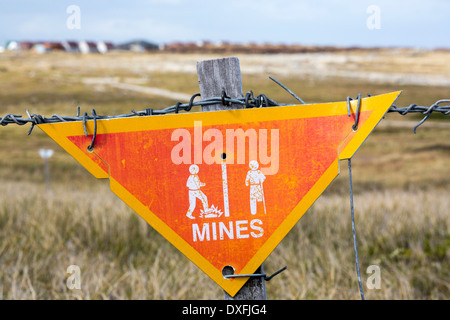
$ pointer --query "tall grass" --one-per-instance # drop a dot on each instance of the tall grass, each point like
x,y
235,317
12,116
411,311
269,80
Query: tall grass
x,y
405,233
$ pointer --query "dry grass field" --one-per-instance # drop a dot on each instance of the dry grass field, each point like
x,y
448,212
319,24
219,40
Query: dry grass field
x,y
401,182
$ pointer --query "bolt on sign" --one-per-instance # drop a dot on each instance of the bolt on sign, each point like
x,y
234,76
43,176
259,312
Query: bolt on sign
x,y
224,187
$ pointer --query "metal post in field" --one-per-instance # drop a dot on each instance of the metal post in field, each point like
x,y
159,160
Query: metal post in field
x,y
217,77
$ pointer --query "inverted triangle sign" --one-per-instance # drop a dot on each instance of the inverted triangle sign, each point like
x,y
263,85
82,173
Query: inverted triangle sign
x,y
224,187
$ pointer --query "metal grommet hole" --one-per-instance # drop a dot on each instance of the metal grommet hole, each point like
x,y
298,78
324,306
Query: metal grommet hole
x,y
227,271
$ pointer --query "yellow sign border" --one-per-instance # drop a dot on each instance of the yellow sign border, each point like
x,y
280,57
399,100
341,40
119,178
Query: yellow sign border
x,y
378,104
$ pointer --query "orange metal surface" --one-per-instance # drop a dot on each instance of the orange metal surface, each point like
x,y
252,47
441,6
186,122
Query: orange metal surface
x,y
224,187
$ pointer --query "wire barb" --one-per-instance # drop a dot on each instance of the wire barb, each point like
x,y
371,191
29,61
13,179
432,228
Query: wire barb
x,y
358,109
90,148
442,106
287,89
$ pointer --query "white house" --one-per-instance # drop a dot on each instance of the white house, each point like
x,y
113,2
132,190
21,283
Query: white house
x,y
138,46
12,45
70,46
87,47
103,47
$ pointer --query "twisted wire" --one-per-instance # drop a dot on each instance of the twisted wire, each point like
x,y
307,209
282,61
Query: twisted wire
x,y
249,101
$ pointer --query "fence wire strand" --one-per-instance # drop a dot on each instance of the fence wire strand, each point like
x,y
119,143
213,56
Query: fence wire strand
x,y
249,101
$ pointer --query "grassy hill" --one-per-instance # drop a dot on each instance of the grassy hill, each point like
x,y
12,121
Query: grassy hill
x,y
401,181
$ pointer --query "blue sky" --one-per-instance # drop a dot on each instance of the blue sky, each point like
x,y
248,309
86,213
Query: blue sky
x,y
410,23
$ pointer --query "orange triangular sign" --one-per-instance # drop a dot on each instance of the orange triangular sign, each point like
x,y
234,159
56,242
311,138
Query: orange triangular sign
x,y
224,187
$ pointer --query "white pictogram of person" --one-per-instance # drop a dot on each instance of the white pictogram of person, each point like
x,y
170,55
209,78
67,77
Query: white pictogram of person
x,y
255,178
194,184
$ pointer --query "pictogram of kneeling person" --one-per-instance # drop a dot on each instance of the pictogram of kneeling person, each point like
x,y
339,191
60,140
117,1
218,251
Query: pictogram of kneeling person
x,y
194,184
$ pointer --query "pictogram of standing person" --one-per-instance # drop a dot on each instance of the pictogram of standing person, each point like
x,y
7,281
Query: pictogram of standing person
x,y
255,178
194,184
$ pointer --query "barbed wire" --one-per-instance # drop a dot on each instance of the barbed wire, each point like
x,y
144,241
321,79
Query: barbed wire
x,y
249,101
438,106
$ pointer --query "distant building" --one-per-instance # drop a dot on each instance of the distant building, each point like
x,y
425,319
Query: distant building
x,y
103,47
138,46
36,46
39,48
12,45
51,46
26,45
87,47
70,46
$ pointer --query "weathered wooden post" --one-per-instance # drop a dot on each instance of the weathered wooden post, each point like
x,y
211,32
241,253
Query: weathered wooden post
x,y
216,77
